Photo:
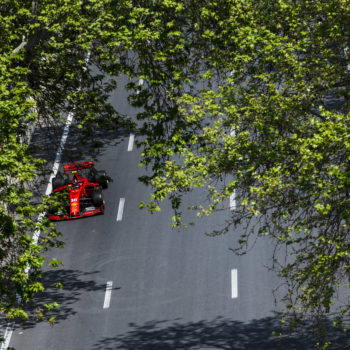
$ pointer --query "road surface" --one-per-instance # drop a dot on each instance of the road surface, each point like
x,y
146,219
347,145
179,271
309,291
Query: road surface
x,y
132,282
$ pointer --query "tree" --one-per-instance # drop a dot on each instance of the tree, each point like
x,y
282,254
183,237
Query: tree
x,y
273,112
44,76
236,99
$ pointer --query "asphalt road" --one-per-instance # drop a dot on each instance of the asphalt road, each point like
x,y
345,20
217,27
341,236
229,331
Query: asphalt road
x,y
169,289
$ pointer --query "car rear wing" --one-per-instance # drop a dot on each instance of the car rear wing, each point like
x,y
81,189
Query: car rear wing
x,y
78,166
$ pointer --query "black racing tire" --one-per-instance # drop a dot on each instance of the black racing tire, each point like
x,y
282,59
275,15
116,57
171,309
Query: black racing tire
x,y
57,182
101,178
67,180
51,211
97,198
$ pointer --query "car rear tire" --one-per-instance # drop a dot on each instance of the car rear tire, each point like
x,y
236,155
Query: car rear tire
x,y
57,182
101,178
97,198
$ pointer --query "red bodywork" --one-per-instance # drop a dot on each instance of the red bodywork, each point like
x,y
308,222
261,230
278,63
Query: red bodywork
x,y
79,189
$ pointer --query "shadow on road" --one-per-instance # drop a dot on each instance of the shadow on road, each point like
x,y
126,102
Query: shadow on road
x,y
46,141
217,334
78,147
75,284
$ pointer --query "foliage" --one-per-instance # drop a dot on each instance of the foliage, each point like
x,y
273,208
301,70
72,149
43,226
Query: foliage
x,y
45,75
252,97
242,96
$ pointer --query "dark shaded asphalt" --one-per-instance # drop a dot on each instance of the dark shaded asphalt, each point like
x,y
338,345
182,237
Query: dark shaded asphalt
x,y
171,289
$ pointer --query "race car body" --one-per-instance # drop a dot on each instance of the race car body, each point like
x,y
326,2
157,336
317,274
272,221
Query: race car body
x,y
80,195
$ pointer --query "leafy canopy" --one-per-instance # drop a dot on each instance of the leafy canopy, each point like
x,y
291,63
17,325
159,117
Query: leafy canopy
x,y
250,97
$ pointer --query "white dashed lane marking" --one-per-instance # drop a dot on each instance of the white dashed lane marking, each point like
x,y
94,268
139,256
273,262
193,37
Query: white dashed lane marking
x,y
131,142
108,294
120,209
234,283
232,201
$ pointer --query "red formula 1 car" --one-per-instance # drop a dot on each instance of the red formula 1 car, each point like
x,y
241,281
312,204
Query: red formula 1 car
x,y
79,195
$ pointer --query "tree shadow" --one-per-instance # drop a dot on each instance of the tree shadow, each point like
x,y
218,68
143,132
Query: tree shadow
x,y
79,147
75,284
219,333
46,141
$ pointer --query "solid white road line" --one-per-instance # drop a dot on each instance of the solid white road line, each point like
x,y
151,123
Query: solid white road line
x,y
7,337
131,142
108,294
55,167
120,209
9,328
234,284
232,201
